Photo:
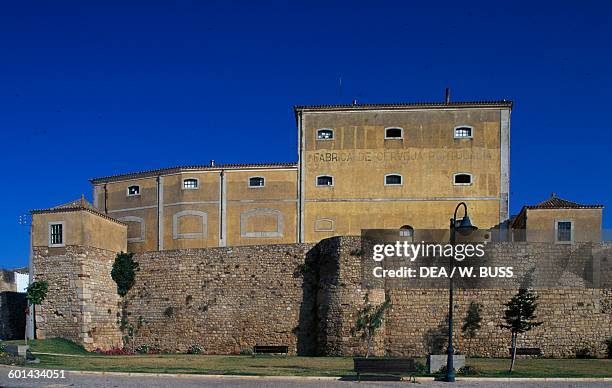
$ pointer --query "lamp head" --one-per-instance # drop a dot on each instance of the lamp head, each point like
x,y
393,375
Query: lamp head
x,y
465,226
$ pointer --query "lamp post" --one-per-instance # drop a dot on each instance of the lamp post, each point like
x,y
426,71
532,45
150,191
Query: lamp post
x,y
464,227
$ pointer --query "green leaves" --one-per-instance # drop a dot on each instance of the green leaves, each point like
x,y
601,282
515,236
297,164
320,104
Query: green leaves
x,y
520,313
123,272
37,291
370,319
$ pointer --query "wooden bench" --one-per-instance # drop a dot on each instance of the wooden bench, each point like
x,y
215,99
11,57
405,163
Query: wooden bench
x,y
392,366
526,351
270,349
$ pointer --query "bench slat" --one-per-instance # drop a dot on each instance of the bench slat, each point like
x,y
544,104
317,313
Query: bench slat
x,y
270,349
384,365
527,351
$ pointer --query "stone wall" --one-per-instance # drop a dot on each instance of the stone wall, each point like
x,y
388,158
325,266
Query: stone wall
x,y
225,300
82,302
7,281
574,319
304,296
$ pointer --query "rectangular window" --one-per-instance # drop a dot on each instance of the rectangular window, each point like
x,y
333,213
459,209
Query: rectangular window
x,y
463,132
564,231
256,181
56,234
133,190
325,134
190,183
325,180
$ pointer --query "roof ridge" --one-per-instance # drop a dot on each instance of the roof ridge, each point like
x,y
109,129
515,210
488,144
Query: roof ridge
x,y
554,202
173,169
502,102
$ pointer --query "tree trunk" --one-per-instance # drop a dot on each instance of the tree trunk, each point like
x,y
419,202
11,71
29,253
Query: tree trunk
x,y
513,351
469,347
369,346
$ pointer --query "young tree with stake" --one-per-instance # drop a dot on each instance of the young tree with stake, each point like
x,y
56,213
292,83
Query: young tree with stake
x,y
369,320
520,317
35,294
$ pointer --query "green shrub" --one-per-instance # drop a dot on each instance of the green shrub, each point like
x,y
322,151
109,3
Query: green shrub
x,y
468,370
9,359
246,351
37,291
609,346
123,272
584,353
195,349
148,349
420,367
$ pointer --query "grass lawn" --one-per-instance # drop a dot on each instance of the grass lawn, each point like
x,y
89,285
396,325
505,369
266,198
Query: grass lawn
x,y
52,345
288,365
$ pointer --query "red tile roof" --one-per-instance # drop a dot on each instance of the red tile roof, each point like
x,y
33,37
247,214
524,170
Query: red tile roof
x,y
76,205
555,202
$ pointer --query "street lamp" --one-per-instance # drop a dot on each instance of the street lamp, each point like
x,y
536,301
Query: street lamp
x,y
463,227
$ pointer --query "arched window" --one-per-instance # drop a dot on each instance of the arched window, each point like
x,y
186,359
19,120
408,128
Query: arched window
x,y
394,133
257,181
190,183
463,132
133,190
325,180
393,180
325,134
462,179
406,232
135,228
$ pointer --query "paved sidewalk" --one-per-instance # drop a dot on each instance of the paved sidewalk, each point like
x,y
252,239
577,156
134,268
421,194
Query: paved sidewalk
x,y
111,379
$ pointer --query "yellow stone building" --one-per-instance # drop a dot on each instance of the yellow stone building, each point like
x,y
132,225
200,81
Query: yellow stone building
x,y
359,166
388,166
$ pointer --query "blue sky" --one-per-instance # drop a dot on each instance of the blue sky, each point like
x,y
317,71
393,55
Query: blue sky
x,y
96,88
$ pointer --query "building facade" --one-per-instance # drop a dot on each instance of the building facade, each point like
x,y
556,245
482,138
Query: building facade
x,y
558,221
359,166
388,166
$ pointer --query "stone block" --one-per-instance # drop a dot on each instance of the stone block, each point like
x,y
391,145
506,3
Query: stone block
x,y
435,362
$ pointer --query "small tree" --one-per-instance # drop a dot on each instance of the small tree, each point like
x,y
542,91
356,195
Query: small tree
x,y
472,322
520,316
123,272
35,295
369,320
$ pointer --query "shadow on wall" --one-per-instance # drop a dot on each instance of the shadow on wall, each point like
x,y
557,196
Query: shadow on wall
x,y
12,315
308,329
436,339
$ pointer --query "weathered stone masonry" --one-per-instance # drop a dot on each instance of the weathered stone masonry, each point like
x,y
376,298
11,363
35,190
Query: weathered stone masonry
x,y
223,299
82,300
574,319
302,295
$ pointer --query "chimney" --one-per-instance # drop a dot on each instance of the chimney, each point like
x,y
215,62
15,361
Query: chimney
x,y
355,102
212,163
447,96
